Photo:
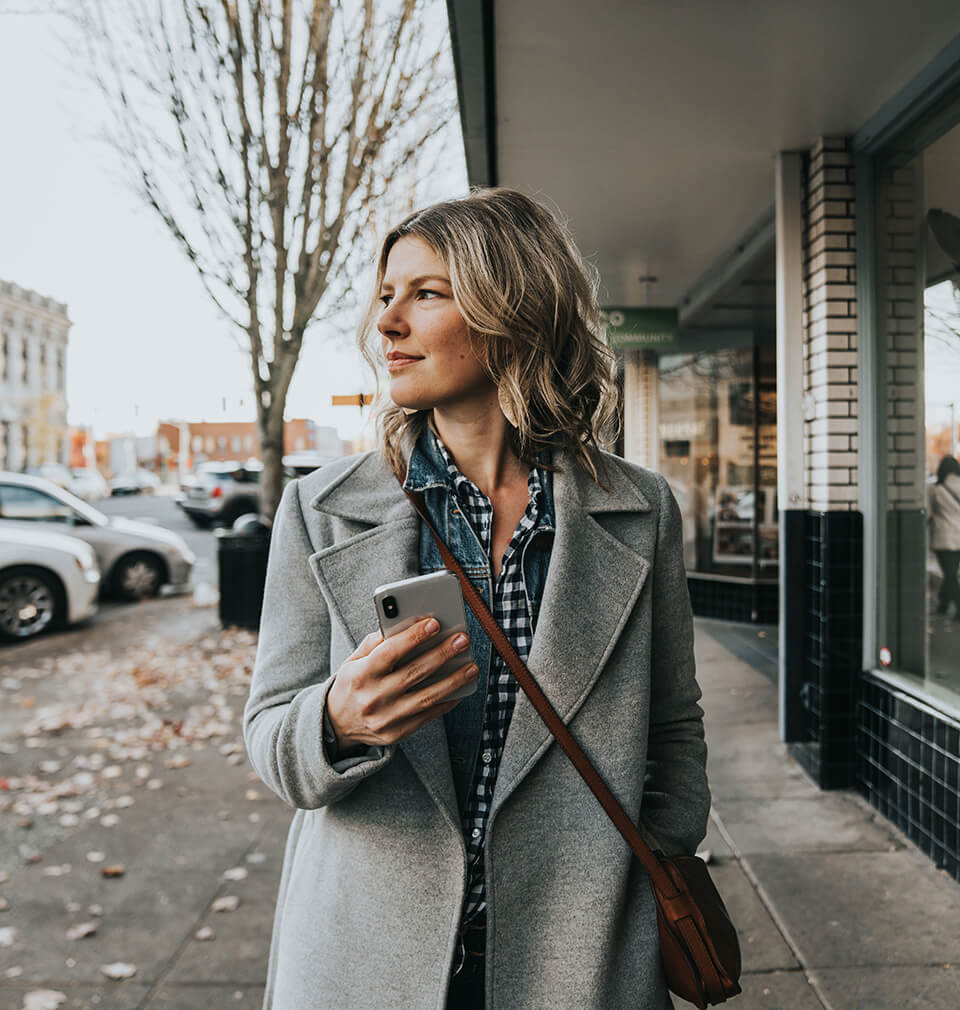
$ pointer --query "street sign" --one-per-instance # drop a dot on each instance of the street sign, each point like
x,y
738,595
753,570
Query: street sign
x,y
642,327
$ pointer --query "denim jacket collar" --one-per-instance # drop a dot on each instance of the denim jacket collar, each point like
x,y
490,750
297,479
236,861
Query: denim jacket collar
x,y
427,468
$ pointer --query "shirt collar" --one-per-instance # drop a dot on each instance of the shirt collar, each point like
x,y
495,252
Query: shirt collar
x,y
432,465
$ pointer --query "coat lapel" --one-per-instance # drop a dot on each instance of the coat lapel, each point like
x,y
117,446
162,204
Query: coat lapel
x,y
349,571
591,573
592,584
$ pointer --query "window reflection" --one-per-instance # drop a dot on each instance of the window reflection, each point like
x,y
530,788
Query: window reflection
x,y
718,450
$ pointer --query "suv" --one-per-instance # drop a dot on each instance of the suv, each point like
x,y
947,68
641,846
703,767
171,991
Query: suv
x,y
221,492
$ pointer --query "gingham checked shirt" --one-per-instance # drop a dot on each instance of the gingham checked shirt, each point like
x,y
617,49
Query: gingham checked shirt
x,y
511,613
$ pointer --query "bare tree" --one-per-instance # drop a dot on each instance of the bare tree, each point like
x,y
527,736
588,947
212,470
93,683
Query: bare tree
x,y
267,134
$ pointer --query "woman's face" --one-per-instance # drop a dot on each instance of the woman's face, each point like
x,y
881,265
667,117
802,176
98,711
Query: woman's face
x,y
424,336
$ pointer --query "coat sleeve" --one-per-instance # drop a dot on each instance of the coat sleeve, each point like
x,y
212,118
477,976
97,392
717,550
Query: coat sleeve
x,y
283,717
676,799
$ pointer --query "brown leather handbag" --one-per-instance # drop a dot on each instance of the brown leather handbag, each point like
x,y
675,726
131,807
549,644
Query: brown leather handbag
x,y
698,942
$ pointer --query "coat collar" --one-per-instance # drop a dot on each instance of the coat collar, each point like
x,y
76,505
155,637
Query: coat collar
x,y
590,571
369,492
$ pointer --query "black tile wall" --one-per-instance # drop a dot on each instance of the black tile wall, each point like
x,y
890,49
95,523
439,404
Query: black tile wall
x,y
908,767
826,681
735,601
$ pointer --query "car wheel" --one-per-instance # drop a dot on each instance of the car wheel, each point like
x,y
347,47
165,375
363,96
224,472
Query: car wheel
x,y
30,602
137,576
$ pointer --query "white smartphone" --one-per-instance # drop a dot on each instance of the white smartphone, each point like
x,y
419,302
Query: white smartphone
x,y
400,604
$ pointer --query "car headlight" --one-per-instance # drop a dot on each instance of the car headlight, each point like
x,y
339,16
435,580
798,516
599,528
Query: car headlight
x,y
90,573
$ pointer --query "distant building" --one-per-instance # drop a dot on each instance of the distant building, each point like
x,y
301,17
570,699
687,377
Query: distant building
x,y
238,440
33,400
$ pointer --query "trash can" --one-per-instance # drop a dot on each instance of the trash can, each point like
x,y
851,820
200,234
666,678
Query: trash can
x,y
242,571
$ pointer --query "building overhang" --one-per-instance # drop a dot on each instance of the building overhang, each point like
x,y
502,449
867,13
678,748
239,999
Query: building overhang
x,y
653,128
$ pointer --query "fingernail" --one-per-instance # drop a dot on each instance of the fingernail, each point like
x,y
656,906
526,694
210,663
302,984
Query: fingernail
x,y
432,627
460,642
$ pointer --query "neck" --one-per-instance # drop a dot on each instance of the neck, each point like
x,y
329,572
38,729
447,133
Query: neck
x,y
479,440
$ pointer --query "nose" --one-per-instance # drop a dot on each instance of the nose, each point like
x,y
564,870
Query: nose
x,y
392,322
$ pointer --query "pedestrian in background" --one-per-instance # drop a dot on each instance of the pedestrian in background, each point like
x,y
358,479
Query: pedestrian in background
x,y
943,508
446,853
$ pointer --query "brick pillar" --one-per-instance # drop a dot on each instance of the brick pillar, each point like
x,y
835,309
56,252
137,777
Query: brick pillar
x,y
830,608
830,329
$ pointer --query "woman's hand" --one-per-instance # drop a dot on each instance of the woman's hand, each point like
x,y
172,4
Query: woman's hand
x,y
375,698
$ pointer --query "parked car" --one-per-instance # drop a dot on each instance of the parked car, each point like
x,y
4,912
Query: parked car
x,y
46,580
136,559
138,482
57,472
221,493
88,483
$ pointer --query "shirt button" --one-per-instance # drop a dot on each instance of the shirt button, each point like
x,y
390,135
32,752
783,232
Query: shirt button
x,y
475,833
487,756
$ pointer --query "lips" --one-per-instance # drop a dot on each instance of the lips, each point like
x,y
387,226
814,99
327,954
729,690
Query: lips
x,y
396,360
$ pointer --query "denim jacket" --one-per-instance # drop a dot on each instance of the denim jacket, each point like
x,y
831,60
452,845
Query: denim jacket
x,y
427,472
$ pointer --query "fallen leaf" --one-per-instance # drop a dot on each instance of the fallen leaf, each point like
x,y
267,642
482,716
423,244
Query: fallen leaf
x,y
95,857
81,930
4,904
109,820
114,870
256,858
8,934
226,903
236,873
119,970
43,999
96,910
205,933
57,871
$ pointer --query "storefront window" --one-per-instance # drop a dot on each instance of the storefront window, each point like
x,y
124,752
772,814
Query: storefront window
x,y
918,249
718,450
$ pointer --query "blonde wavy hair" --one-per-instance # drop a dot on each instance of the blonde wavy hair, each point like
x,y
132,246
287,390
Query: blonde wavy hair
x,y
530,304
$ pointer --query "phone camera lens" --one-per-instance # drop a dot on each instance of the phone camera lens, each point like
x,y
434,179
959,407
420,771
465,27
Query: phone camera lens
x,y
389,606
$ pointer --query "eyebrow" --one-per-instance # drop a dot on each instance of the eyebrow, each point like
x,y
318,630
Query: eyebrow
x,y
415,281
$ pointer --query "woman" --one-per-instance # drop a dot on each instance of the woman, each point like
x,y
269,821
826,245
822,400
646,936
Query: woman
x,y
447,854
944,509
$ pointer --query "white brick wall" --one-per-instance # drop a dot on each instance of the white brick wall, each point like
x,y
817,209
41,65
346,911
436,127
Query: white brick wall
x,y
830,328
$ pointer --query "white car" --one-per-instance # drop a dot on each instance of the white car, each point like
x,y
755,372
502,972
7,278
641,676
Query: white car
x,y
88,483
46,580
136,559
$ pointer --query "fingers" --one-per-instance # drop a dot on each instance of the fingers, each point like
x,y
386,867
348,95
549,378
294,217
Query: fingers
x,y
369,643
419,707
410,673
391,651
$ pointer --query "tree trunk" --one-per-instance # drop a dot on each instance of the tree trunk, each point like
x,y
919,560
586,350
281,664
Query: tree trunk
x,y
270,423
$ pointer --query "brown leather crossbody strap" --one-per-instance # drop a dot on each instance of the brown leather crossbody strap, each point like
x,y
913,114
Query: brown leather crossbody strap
x,y
541,703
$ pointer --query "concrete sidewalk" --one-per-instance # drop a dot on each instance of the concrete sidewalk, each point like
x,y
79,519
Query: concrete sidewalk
x,y
836,908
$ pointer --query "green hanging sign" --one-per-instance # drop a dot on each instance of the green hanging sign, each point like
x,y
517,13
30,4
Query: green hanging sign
x,y
641,327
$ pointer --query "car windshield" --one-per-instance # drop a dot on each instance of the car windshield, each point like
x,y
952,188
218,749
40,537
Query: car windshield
x,y
93,516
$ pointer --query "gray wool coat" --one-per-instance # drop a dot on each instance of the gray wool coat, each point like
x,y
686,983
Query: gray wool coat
x,y
375,864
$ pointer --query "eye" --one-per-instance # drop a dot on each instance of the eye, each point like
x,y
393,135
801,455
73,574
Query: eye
x,y
428,294
384,300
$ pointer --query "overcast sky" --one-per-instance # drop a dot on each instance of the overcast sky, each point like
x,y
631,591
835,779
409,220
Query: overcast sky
x,y
146,342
